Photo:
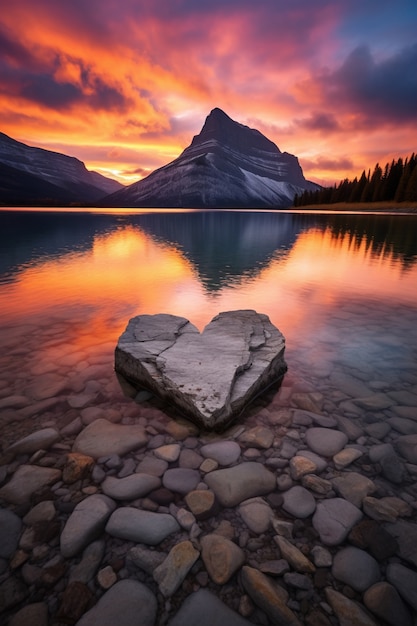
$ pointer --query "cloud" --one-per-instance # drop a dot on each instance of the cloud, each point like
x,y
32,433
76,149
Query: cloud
x,y
326,163
320,121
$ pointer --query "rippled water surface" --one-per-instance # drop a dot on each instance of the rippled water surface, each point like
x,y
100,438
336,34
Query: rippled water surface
x,y
341,288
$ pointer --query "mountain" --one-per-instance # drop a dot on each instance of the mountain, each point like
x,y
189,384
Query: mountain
x,y
228,165
31,175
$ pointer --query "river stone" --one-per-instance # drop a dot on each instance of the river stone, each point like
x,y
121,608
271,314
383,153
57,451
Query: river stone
x,y
210,376
85,524
299,502
224,452
201,502
325,441
385,602
356,568
405,581
407,447
270,597
334,519
141,526
233,485
39,440
221,557
257,514
10,528
102,438
26,480
294,556
406,535
348,612
345,457
127,603
173,570
353,487
203,608
181,480
131,487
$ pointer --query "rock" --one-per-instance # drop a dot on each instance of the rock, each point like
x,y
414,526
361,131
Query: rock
x,y
127,603
152,465
353,487
10,529
85,524
35,614
102,438
379,451
299,502
348,613
181,480
385,602
173,570
300,466
393,468
221,557
403,426
333,520
299,581
168,453
141,526
12,592
379,510
85,570
235,484
42,512
106,577
278,567
325,441
345,457
283,528
316,484
203,608
76,598
321,463
407,447
257,514
145,558
224,452
26,480
190,459
355,568
375,402
370,535
270,597
202,503
131,487
39,440
294,556
185,519
351,429
321,557
406,535
77,467
378,430
258,437
209,376
405,581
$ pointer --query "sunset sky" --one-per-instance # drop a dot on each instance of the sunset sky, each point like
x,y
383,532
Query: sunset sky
x,y
124,85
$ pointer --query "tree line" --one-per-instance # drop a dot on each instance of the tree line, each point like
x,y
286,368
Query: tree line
x,y
397,182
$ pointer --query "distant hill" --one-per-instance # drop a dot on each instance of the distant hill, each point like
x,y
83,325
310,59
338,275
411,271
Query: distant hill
x,y
32,176
227,165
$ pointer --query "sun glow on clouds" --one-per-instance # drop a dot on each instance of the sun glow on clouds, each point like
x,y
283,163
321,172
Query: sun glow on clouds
x,y
125,86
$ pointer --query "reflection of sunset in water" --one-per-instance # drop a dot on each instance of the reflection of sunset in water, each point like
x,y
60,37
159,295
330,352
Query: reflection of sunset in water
x,y
127,272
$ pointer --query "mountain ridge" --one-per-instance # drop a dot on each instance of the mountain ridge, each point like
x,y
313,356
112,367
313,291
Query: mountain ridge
x,y
227,165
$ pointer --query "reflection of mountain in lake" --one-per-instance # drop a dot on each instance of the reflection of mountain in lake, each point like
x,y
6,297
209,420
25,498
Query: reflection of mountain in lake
x,y
223,246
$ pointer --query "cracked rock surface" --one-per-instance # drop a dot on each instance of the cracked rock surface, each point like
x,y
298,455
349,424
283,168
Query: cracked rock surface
x,y
211,375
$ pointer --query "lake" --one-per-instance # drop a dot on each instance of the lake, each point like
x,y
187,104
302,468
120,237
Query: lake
x,y
342,288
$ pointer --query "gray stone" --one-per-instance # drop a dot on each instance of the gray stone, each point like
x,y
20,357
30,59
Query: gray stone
x,y
325,441
351,429
203,608
299,502
403,426
318,460
102,438
151,465
173,570
393,468
355,568
334,519
353,487
141,526
10,529
181,480
270,597
42,512
12,592
350,385
235,484
348,612
257,514
35,614
321,557
85,524
145,558
379,451
406,535
385,602
375,402
407,447
221,557
378,430
209,376
39,440
190,459
299,581
405,581
85,570
224,452
294,556
131,487
127,603
26,480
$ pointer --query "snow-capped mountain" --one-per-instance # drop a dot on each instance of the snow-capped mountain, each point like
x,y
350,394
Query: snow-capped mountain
x,y
29,175
228,165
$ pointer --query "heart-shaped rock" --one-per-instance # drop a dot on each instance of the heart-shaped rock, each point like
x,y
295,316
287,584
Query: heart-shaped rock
x,y
209,376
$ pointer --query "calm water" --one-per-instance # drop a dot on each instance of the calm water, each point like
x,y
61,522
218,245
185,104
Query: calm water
x,y
342,289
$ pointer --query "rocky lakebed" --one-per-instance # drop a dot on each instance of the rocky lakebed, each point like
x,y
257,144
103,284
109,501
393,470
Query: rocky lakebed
x,y
113,513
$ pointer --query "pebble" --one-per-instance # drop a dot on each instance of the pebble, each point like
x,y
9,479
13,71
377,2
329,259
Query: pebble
x,y
221,557
102,438
385,602
203,608
39,440
405,581
354,487
241,482
325,441
223,452
333,520
85,524
10,529
26,480
131,487
299,502
294,556
257,514
141,526
356,568
258,437
346,457
171,572
181,480
168,453
348,612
